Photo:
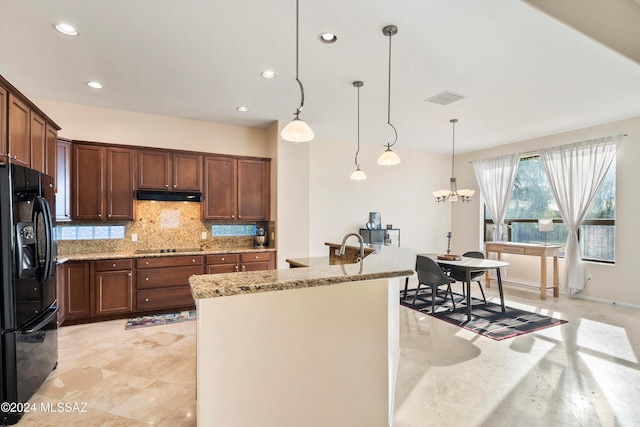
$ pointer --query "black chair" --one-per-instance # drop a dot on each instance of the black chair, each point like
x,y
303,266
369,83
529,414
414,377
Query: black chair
x,y
430,274
460,275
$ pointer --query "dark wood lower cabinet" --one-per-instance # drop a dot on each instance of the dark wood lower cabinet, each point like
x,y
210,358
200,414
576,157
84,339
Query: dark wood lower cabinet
x,y
91,291
163,282
154,299
76,297
112,287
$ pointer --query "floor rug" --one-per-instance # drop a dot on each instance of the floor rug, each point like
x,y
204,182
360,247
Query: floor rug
x,y
160,319
486,319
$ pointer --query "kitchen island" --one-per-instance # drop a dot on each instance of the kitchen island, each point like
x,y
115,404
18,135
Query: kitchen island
x,y
312,346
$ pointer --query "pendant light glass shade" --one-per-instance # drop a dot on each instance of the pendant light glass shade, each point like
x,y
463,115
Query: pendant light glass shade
x,y
358,175
389,158
453,194
297,130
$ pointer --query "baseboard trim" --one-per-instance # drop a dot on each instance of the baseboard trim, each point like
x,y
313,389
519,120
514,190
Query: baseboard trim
x,y
605,301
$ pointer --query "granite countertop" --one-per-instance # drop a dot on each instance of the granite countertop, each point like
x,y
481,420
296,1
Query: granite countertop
x,y
120,255
390,262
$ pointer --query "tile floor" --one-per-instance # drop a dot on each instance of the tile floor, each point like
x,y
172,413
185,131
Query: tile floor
x,y
583,373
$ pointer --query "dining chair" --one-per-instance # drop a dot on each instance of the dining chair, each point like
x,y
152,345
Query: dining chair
x,y
430,274
460,275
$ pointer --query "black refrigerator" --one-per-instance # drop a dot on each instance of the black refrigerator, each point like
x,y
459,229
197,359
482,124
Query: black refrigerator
x,y
28,305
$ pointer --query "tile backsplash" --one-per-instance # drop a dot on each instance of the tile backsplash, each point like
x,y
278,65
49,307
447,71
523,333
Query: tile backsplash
x,y
159,225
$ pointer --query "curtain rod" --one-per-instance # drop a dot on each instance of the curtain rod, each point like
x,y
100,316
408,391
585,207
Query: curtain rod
x,y
535,152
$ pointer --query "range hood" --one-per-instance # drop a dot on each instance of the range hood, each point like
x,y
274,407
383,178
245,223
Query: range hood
x,y
168,196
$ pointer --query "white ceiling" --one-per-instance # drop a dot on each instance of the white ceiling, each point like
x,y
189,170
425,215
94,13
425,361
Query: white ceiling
x,y
524,73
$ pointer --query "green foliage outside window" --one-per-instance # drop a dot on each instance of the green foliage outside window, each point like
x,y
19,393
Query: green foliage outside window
x,y
532,199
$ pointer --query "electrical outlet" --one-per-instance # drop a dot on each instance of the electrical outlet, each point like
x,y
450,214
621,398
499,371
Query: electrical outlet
x,y
134,237
204,235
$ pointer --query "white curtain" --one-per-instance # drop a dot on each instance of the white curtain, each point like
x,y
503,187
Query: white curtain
x,y
495,178
575,173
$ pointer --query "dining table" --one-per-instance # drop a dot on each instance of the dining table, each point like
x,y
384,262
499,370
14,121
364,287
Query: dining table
x,y
471,265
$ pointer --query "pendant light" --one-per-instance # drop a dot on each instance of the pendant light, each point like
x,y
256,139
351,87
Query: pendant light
x,y
358,175
389,158
297,130
453,194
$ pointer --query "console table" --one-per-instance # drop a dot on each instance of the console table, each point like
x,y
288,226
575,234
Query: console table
x,y
542,251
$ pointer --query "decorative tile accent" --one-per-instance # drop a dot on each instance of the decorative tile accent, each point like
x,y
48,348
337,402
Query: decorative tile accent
x,y
85,233
89,232
218,230
101,232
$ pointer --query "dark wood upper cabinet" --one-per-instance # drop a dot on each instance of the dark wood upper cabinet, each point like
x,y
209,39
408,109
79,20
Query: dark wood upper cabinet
x,y
51,153
236,189
19,142
163,170
87,182
120,183
254,189
154,171
63,181
103,182
186,172
24,130
220,188
3,125
38,142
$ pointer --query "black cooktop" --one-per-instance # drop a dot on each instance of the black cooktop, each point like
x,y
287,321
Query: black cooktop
x,y
166,250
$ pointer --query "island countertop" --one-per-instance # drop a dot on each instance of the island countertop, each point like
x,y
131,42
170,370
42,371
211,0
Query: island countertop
x,y
390,262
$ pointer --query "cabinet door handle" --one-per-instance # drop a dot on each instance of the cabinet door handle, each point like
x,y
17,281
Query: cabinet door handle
x,y
233,216
243,268
193,260
114,264
146,262
222,259
146,300
129,274
175,185
257,257
146,279
236,267
99,215
166,185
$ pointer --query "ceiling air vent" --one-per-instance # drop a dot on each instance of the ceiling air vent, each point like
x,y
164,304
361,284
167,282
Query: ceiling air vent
x,y
445,98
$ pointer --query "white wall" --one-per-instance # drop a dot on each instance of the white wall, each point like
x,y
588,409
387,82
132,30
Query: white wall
x,y
610,283
82,122
401,193
292,200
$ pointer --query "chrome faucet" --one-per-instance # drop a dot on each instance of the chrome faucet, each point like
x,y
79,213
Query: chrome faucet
x,y
344,241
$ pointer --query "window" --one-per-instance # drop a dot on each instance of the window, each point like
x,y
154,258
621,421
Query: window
x,y
532,199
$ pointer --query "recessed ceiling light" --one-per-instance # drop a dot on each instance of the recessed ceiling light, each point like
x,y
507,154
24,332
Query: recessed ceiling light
x,y
268,74
242,109
328,38
94,85
66,29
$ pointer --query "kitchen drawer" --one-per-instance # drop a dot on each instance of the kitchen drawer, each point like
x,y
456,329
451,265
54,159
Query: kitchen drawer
x,y
169,261
255,256
164,298
221,268
114,264
222,259
166,277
